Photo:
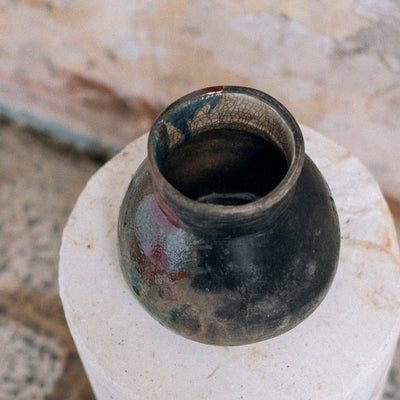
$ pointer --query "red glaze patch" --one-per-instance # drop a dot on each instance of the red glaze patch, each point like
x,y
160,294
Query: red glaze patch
x,y
155,270
214,89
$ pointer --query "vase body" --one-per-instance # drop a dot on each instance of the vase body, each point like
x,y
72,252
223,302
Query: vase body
x,y
228,233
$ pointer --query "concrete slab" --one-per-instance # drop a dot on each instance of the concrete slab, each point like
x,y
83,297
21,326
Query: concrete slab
x,y
342,351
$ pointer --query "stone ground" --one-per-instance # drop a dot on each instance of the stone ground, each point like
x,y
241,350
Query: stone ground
x,y
39,183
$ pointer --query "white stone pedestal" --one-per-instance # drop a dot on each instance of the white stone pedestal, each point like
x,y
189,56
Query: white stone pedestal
x,y
342,351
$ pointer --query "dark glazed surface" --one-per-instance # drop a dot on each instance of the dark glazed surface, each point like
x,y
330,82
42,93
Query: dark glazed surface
x,y
225,167
231,291
228,233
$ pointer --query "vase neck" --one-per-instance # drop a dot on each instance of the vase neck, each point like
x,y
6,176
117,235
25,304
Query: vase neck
x,y
225,160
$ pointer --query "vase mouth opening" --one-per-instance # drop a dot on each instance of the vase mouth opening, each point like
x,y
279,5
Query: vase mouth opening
x,y
224,150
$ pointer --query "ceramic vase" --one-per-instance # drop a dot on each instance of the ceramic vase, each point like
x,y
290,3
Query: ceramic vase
x,y
228,233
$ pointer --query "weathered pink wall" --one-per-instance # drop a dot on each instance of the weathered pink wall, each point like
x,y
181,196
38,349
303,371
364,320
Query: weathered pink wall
x,y
105,68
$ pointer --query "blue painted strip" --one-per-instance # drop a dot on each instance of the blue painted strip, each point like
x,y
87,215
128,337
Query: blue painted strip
x,y
64,134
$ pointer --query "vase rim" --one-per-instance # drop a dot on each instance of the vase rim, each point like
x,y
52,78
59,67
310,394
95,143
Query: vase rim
x,y
223,213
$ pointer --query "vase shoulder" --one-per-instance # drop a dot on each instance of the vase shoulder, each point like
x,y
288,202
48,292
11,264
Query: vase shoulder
x,y
231,289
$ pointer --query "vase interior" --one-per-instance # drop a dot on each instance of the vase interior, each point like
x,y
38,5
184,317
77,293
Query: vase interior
x,y
228,148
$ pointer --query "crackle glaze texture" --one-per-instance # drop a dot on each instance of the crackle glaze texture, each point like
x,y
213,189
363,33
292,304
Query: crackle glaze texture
x,y
213,247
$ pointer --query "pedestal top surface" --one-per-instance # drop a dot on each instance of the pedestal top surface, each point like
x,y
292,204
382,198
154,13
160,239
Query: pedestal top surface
x,y
330,355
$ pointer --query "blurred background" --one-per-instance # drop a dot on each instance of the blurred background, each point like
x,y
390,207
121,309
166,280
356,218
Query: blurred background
x,y
80,79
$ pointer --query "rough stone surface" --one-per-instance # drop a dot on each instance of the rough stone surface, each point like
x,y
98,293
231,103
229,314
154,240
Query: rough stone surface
x,y
39,183
342,351
91,65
